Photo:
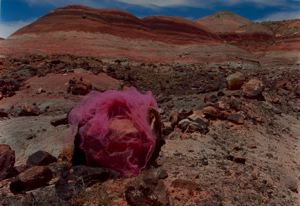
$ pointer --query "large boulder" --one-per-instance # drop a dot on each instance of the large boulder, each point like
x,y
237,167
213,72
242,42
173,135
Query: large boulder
x,y
33,178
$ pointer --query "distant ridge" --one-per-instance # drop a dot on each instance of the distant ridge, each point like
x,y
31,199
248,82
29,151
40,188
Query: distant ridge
x,y
224,21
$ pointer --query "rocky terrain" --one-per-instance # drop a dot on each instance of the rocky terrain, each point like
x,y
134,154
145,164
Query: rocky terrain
x,y
230,114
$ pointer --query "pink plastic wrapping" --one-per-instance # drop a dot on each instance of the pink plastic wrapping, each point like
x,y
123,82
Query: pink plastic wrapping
x,y
114,129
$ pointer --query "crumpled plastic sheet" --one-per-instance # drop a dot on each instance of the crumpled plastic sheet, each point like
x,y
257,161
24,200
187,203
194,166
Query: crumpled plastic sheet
x,y
114,129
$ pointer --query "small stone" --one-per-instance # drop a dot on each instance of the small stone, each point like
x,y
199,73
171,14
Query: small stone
x,y
162,174
240,160
7,161
59,121
40,158
40,90
291,183
3,113
33,178
297,90
236,118
184,124
253,88
235,81
211,112
167,128
174,118
211,98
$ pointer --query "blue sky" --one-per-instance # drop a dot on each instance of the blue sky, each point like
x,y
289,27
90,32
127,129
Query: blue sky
x,y
17,13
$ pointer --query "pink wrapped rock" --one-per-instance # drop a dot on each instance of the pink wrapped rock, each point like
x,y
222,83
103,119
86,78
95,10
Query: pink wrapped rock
x,y
119,130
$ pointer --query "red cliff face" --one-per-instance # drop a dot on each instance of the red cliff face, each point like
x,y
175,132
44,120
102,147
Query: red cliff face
x,y
85,31
118,23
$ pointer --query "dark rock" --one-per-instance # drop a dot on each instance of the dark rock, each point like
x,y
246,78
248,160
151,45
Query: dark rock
x,y
235,81
3,113
146,192
167,129
8,88
236,118
40,158
211,98
253,88
239,160
59,121
297,90
33,178
76,180
18,200
162,174
7,161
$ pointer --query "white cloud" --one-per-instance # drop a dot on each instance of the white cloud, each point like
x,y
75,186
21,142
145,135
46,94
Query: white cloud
x,y
170,3
281,16
165,3
8,28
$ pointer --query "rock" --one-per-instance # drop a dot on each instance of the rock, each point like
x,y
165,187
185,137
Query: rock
x,y
3,113
167,128
33,178
8,88
29,110
187,125
174,118
59,121
75,181
297,90
211,98
40,158
7,161
79,87
211,112
147,190
239,160
235,81
184,124
236,118
162,174
40,91
253,88
291,183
